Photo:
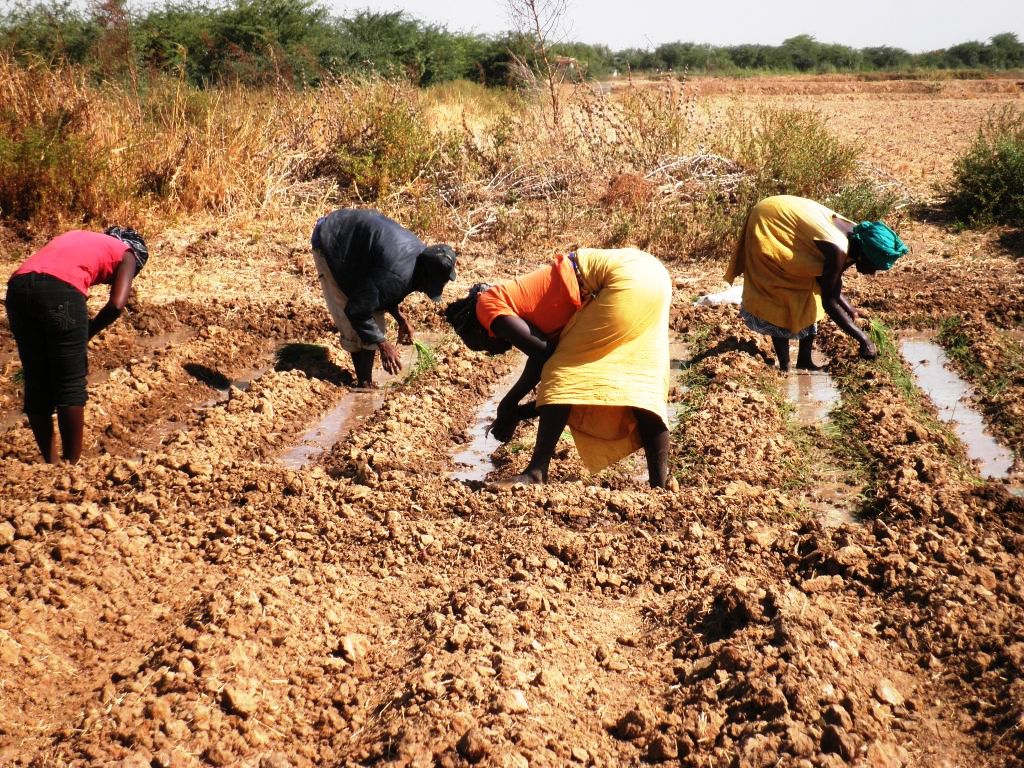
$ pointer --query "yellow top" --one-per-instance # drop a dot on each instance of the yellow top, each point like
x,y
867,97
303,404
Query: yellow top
x,y
613,355
780,262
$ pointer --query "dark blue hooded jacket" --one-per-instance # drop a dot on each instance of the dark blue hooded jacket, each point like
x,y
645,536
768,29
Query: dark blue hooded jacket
x,y
372,259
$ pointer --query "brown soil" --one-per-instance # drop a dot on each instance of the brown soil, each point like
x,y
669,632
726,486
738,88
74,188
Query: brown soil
x,y
180,598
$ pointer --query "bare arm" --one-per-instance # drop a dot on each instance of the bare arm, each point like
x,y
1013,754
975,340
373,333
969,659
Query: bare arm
x,y
120,291
405,330
538,349
835,304
520,335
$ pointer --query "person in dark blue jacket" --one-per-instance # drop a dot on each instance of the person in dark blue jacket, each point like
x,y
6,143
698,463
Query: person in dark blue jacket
x,y
367,264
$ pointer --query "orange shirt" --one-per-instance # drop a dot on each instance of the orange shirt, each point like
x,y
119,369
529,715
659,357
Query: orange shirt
x,y
546,298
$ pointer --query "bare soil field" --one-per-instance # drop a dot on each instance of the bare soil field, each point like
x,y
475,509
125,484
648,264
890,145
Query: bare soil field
x,y
846,591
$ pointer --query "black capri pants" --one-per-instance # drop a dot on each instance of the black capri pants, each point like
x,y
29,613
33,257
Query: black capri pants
x,y
50,323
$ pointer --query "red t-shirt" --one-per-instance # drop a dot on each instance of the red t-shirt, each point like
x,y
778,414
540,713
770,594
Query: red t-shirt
x,y
80,258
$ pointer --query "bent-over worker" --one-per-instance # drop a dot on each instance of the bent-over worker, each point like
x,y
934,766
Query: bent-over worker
x,y
594,327
47,312
367,265
792,254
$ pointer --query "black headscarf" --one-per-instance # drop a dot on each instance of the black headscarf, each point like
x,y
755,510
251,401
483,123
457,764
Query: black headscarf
x,y
133,240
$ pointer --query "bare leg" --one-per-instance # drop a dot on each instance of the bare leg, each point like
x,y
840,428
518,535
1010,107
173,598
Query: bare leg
x,y
71,422
781,352
655,438
553,419
362,361
804,360
46,438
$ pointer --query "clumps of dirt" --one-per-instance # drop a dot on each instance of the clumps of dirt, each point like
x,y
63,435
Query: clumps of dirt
x,y
735,439
202,605
402,439
774,674
941,555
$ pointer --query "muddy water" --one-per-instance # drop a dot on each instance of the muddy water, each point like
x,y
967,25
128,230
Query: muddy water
x,y
951,396
354,409
475,457
679,353
813,395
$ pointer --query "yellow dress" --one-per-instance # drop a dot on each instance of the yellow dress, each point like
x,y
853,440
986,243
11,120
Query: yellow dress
x,y
613,355
780,262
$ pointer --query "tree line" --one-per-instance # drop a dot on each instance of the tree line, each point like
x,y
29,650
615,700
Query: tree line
x,y
301,42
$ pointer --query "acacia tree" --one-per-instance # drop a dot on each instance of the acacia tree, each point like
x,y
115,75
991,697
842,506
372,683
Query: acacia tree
x,y
539,21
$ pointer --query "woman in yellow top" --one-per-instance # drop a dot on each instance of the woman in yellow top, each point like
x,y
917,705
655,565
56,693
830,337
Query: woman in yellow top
x,y
594,327
792,255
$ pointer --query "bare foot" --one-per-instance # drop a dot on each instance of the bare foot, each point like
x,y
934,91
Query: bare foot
x,y
366,386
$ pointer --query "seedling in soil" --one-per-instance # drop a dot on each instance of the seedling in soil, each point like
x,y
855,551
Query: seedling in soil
x,y
891,363
426,360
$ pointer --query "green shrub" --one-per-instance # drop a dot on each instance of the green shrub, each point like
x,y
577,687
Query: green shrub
x,y
988,181
381,141
47,170
861,200
791,152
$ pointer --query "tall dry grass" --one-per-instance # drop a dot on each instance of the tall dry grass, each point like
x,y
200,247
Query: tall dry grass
x,y
458,162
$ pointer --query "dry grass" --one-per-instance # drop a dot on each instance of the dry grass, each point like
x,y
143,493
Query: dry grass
x,y
456,163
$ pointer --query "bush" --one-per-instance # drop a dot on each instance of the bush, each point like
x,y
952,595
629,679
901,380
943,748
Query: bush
x,y
47,171
988,181
863,200
49,166
380,138
790,152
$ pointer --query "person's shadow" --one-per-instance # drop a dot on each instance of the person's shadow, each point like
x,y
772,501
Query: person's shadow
x,y
313,360
1013,241
207,375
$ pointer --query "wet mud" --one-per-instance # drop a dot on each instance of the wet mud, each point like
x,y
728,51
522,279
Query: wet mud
x,y
475,458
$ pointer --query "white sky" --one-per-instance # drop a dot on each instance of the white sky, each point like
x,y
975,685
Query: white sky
x,y
915,25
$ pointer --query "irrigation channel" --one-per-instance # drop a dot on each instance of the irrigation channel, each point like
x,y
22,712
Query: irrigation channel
x,y
952,396
352,410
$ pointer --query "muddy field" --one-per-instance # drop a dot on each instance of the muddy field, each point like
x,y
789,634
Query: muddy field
x,y
225,581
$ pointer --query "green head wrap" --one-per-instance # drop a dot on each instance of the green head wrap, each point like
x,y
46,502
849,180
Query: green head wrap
x,y
879,244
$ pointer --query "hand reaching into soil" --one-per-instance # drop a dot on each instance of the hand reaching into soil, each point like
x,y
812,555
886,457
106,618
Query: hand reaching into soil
x,y
503,429
868,351
504,425
389,357
405,334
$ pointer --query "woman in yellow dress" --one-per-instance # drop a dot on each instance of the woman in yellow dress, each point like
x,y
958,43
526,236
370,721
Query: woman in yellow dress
x,y
792,254
594,327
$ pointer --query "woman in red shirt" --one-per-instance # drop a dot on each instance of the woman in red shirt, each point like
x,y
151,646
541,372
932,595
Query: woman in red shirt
x,y
48,317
